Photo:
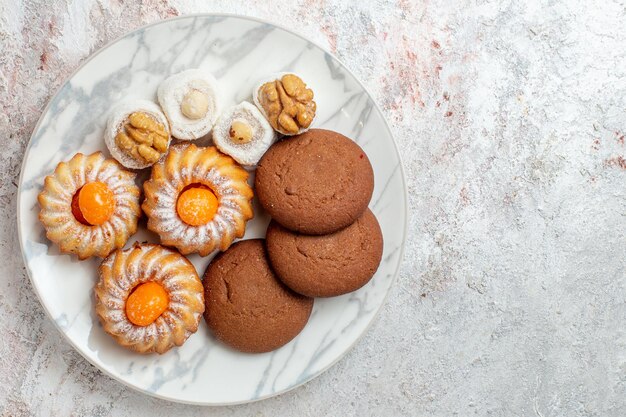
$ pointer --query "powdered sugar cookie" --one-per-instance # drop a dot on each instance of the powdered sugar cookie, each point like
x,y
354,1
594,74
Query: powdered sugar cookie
x,y
191,103
243,133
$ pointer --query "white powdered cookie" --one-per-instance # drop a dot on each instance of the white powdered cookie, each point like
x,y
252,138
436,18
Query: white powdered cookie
x,y
251,136
191,103
119,117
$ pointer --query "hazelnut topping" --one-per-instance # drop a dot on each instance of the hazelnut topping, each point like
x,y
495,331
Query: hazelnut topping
x,y
240,131
194,105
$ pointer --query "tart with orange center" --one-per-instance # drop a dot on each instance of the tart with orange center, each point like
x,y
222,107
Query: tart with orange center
x,y
197,199
149,298
89,205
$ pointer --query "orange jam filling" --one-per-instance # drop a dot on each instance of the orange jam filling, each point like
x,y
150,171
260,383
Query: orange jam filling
x,y
146,303
93,204
196,205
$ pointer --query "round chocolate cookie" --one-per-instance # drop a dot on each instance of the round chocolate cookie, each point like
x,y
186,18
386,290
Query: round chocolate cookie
x,y
247,307
327,265
315,183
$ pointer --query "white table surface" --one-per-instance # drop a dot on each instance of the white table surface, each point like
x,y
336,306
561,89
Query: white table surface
x,y
511,119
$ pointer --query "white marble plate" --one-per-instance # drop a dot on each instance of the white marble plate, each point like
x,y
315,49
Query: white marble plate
x,y
237,51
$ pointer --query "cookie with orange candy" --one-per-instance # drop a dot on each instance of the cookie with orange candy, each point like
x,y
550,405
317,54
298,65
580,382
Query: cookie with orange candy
x,y
149,298
197,199
89,205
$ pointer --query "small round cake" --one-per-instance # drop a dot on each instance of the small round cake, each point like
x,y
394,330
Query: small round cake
x,y
315,183
149,298
197,199
191,103
243,133
326,265
247,307
89,205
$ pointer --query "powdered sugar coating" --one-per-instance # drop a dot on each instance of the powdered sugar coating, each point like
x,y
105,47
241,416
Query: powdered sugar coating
x,y
263,135
188,164
171,93
56,206
119,117
123,271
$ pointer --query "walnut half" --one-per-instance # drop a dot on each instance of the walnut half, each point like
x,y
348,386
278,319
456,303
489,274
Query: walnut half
x,y
143,138
288,104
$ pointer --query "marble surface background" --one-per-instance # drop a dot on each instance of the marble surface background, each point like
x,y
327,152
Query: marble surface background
x,y
511,119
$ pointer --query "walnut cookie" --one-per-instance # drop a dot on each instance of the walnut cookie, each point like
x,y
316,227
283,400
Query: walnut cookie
x,y
137,133
286,102
89,205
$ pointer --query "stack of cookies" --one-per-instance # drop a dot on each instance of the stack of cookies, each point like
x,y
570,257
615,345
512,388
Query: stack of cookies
x,y
322,241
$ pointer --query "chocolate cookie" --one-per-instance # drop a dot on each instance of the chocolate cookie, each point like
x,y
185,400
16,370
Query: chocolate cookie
x,y
315,183
327,265
247,307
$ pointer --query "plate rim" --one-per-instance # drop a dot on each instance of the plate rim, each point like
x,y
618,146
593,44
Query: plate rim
x,y
154,394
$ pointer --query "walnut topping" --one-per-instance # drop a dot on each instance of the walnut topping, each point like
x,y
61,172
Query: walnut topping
x,y
143,138
240,131
288,104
